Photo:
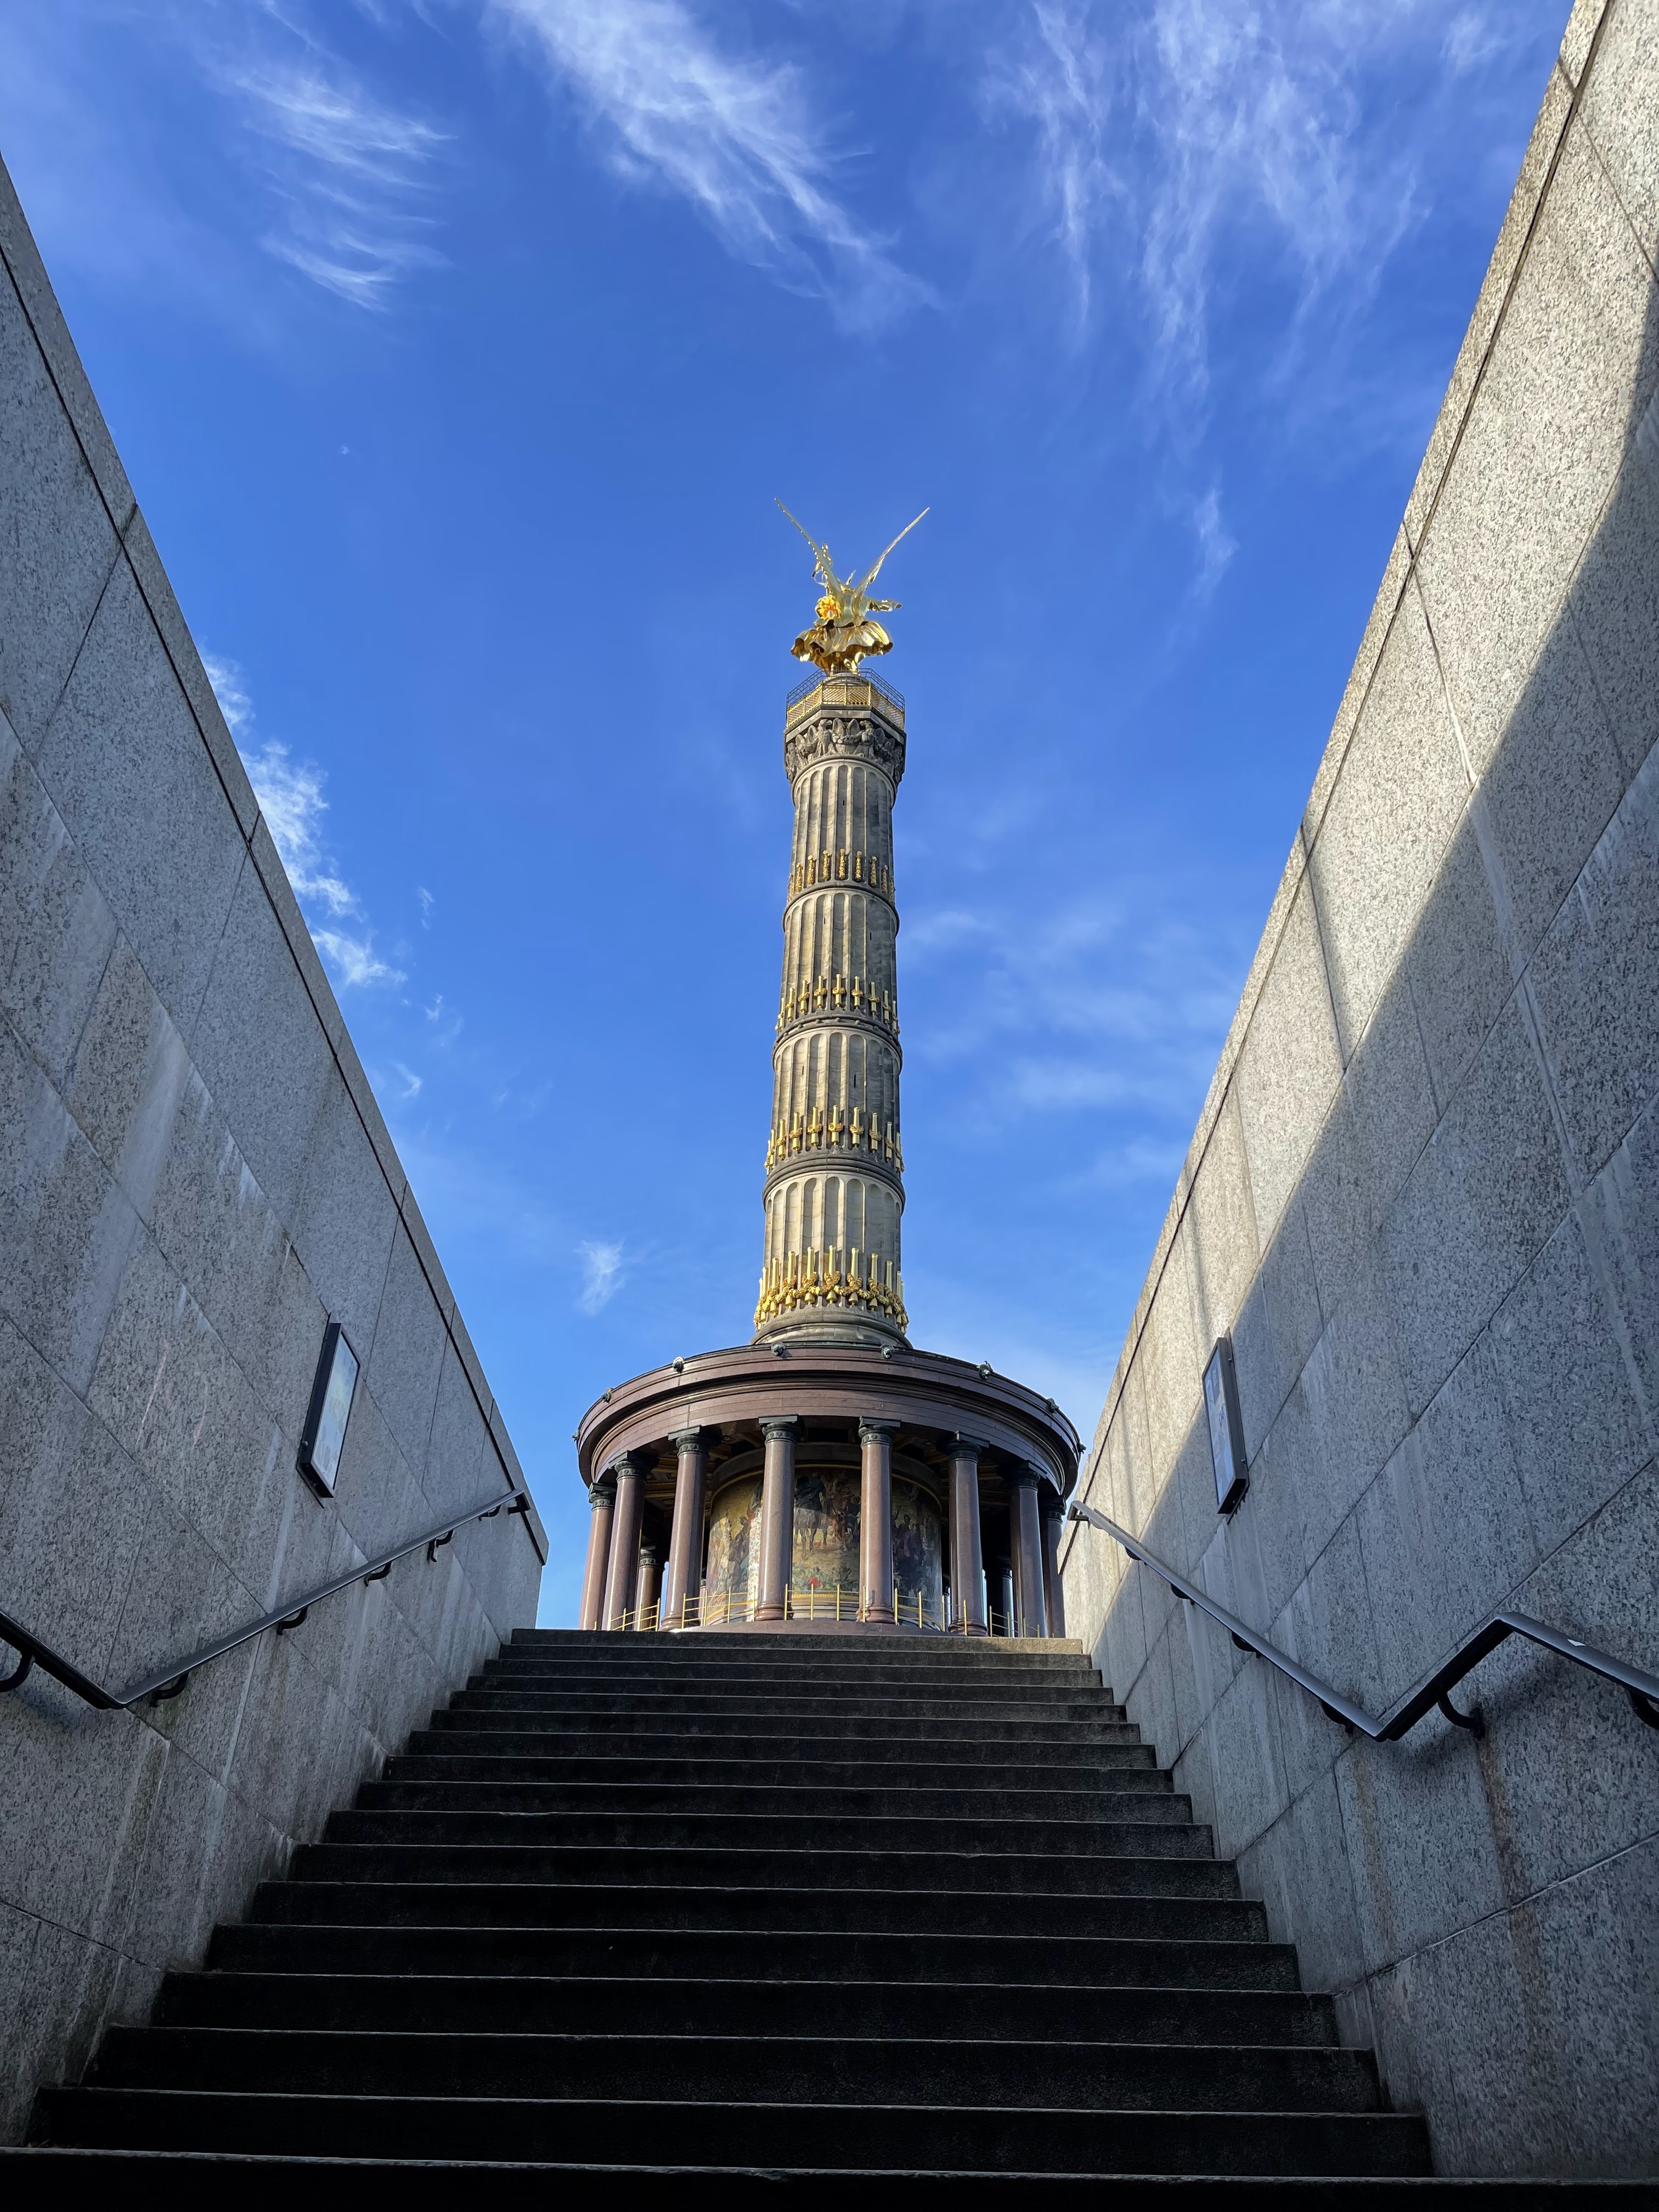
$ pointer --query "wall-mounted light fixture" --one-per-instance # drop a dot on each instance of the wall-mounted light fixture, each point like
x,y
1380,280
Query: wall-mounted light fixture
x,y
1226,1429
323,1438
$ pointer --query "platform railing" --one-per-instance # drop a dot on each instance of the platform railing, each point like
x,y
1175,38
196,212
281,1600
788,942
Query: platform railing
x,y
836,1602
1642,1689
845,691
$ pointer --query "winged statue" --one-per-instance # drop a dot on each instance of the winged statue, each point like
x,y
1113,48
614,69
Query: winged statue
x,y
843,633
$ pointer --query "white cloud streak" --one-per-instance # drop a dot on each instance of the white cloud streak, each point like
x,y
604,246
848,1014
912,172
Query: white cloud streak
x,y
737,136
1160,134
603,1275
345,168
290,796
1094,1005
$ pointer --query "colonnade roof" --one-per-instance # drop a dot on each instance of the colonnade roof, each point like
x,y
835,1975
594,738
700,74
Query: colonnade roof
x,y
922,1390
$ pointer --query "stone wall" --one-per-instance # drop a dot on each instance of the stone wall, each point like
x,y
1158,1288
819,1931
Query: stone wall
x,y
194,1178
1424,1196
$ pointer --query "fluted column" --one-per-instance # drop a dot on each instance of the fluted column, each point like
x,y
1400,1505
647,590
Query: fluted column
x,y
1054,1522
777,1530
967,1554
630,1472
834,1193
876,1522
645,1588
684,1578
601,1502
1006,1573
1030,1613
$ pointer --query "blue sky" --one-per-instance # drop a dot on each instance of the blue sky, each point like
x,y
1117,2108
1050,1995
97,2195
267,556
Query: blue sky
x,y
457,348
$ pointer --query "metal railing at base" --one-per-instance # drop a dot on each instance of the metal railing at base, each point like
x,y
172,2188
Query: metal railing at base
x,y
844,691
727,1609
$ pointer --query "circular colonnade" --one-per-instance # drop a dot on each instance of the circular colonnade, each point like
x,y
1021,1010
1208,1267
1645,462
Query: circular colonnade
x,y
824,1486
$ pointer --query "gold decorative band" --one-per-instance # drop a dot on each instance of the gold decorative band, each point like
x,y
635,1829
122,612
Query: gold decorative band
x,y
818,1132
841,867
839,993
800,1279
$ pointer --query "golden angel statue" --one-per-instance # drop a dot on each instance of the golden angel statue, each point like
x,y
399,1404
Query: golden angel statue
x,y
843,633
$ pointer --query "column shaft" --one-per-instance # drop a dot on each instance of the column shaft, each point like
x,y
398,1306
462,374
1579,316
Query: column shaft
x,y
602,1501
777,1530
1053,1523
682,1584
876,1522
1031,1613
968,1558
645,1589
624,1571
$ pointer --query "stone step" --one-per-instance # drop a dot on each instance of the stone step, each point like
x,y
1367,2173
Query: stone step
x,y
203,2178
839,1872
777,2067
502,1785
722,2003
787,1757
745,1950
715,1718
807,1699
1075,1678
834,2138
1161,1900
1165,1831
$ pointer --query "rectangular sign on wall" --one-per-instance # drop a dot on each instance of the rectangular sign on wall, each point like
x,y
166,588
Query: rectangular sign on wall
x,y
324,1436
1226,1429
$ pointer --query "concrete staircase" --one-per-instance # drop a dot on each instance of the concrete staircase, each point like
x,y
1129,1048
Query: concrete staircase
x,y
752,1913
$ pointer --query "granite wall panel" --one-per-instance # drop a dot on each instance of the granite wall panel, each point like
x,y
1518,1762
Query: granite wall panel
x,y
1445,1073
194,1177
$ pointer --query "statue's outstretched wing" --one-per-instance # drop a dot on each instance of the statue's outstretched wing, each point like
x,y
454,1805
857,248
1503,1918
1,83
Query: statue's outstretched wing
x,y
825,566
871,578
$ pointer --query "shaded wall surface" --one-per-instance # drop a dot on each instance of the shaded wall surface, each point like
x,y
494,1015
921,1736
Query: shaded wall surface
x,y
194,1178
1424,1197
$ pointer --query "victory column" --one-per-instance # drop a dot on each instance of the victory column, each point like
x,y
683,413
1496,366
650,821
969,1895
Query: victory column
x,y
829,1475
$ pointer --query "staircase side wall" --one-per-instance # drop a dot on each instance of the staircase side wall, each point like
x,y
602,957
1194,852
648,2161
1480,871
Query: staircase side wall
x,y
194,1178
1424,1198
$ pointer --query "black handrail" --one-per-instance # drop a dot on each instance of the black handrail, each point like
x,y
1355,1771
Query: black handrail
x,y
32,1652
1643,1690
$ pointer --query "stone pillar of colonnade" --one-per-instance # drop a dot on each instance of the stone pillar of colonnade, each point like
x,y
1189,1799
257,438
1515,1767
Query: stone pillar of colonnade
x,y
622,1572
601,1501
1054,1521
834,1192
876,1522
1031,1614
684,1580
967,1554
777,1529
645,1588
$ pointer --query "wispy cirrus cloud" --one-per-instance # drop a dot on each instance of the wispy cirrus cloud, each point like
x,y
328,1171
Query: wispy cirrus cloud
x,y
311,164
737,135
1094,1005
603,1275
290,796
1161,133
346,169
